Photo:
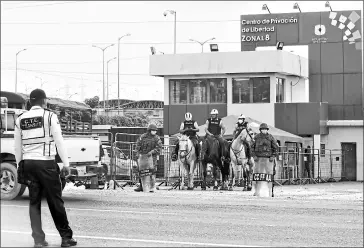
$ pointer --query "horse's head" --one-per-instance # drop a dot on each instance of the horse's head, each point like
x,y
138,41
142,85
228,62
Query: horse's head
x,y
183,145
245,136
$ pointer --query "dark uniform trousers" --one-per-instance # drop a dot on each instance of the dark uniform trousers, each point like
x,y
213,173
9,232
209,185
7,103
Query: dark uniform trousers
x,y
44,175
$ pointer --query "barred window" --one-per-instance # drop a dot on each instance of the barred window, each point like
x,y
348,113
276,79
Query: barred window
x,y
279,90
178,92
251,90
198,91
217,90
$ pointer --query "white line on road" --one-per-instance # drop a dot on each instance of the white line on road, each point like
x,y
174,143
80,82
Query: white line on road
x,y
97,210
139,240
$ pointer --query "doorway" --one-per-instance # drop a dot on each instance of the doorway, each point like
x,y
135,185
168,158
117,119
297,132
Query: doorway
x,y
349,160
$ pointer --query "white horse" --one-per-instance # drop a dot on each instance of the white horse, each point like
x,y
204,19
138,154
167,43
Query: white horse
x,y
187,160
238,157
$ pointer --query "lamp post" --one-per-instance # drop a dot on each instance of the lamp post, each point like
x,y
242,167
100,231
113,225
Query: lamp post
x,y
103,70
296,6
16,69
328,5
202,43
265,7
107,78
173,12
119,69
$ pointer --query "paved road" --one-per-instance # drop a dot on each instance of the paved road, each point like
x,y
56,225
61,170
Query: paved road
x,y
185,218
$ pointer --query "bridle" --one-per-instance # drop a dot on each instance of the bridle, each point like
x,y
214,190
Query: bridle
x,y
188,153
236,153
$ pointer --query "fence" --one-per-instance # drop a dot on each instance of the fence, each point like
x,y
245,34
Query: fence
x,y
293,165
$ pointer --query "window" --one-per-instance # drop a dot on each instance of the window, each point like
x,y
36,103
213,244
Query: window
x,y
217,90
251,90
177,92
279,90
197,91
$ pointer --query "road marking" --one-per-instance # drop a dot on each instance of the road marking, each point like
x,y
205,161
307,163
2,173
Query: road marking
x,y
97,210
139,240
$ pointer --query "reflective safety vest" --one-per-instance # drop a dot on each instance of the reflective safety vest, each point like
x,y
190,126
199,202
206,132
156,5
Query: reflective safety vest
x,y
36,135
214,126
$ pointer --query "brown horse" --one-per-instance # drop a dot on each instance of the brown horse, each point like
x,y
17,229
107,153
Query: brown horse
x,y
218,156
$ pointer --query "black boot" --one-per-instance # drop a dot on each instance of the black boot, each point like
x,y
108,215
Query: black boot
x,y
140,188
68,242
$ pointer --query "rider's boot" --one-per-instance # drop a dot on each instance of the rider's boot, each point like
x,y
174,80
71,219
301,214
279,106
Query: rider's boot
x,y
140,187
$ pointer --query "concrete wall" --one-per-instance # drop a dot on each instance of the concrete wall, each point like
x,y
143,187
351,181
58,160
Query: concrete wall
x,y
228,62
347,134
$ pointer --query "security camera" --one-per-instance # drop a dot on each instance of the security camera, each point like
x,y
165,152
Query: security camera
x,y
165,13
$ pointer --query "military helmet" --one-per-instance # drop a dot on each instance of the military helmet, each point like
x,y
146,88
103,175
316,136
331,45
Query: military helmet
x,y
152,127
263,126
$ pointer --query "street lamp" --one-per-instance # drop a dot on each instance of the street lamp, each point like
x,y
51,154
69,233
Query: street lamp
x,y
172,12
328,5
16,69
107,78
119,69
202,43
296,6
103,70
265,7
41,81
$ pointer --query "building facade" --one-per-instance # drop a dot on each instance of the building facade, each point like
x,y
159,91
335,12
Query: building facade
x,y
317,99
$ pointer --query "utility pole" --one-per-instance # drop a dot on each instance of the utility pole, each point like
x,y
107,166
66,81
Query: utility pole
x,y
119,69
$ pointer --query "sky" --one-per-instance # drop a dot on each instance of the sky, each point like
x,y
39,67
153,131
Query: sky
x,y
59,38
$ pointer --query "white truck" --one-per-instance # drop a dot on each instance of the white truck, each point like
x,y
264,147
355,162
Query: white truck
x,y
84,153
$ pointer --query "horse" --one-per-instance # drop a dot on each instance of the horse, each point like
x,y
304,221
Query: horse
x,y
218,157
187,160
239,160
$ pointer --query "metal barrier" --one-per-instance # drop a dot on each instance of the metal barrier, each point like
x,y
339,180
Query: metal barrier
x,y
293,166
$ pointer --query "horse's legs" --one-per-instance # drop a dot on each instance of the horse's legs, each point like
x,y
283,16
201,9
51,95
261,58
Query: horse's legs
x,y
182,170
203,171
190,175
214,173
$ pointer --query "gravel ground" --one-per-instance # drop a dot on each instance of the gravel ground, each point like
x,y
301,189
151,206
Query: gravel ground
x,y
329,214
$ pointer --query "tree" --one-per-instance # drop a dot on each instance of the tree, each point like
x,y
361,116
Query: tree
x,y
92,102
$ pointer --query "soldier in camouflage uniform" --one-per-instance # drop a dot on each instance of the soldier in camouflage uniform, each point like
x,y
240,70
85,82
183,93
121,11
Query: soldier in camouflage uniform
x,y
265,146
149,143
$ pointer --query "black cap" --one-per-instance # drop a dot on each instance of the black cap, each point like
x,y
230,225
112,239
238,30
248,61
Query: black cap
x,y
37,94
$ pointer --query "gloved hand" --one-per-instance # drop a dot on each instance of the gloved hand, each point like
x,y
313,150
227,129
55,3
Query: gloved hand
x,y
66,171
255,158
271,159
150,153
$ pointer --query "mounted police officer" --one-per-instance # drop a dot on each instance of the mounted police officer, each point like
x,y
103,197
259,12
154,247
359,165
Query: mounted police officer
x,y
190,128
240,125
215,127
37,136
149,143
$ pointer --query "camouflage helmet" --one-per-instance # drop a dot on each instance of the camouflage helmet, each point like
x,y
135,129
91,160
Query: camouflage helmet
x,y
152,127
263,126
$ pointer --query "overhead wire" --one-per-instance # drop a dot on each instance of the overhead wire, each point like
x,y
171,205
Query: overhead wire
x,y
121,43
116,22
66,63
40,5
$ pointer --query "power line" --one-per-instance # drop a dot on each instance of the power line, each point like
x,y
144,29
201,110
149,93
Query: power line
x,y
108,43
40,5
68,72
117,22
66,63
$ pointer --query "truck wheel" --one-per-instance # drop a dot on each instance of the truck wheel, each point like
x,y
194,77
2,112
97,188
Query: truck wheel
x,y
10,188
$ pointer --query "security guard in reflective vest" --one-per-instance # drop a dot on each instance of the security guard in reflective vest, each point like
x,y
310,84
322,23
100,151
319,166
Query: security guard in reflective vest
x,y
37,134
190,128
